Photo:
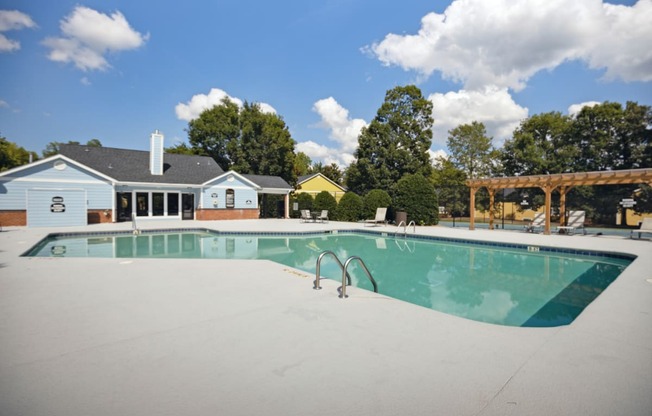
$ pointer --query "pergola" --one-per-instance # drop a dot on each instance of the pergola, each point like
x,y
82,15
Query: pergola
x,y
563,182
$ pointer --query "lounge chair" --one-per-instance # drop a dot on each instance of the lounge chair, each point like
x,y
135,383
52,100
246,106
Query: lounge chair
x,y
575,221
305,215
537,223
323,217
380,217
646,227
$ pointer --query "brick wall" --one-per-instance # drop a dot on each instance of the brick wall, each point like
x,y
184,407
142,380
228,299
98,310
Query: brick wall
x,y
226,214
13,218
99,216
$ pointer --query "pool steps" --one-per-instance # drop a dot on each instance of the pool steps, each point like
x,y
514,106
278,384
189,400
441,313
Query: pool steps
x,y
346,278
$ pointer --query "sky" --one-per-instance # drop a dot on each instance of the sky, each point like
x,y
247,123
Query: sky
x,y
118,70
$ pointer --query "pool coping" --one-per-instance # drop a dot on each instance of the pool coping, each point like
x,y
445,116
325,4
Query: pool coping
x,y
375,355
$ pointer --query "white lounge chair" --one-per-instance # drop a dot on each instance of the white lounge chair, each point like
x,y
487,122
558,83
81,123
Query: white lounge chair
x,y
645,228
380,217
537,223
323,217
575,221
305,215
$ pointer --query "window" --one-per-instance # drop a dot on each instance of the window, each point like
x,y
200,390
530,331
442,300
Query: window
x,y
173,203
230,198
158,202
142,204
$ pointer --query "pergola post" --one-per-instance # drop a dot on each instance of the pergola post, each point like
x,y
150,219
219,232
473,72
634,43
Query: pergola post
x,y
473,190
492,194
563,190
548,191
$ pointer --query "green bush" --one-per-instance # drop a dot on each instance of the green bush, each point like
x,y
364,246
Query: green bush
x,y
374,199
305,202
349,208
416,196
324,200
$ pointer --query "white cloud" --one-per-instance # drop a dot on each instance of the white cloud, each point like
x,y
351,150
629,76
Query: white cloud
x,y
492,106
335,118
88,35
576,108
436,154
85,81
504,43
12,20
4,104
201,102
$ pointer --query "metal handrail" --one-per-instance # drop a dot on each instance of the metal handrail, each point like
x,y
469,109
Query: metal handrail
x,y
414,227
317,274
399,226
134,227
344,275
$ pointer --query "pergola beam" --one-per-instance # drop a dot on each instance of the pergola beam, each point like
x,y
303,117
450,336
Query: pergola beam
x,y
548,183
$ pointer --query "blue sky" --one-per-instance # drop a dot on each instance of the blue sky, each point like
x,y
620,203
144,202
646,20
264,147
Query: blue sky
x,y
118,70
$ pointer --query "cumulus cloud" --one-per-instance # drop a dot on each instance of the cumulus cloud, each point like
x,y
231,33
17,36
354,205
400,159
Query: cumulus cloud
x,y
492,106
504,43
88,35
201,102
335,118
12,20
325,154
576,108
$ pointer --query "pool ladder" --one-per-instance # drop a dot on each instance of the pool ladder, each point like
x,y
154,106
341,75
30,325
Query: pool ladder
x,y
134,228
346,278
405,228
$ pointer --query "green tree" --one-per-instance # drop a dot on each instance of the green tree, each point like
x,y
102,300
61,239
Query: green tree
x,y
450,185
374,199
416,196
471,150
211,132
395,143
540,145
324,200
302,164
349,208
182,149
12,155
246,140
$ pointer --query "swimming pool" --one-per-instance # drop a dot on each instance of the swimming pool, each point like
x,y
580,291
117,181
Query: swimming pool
x,y
504,284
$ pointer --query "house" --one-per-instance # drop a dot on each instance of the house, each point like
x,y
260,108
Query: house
x,y
85,185
316,183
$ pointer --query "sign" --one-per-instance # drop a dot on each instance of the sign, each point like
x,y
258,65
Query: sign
x,y
57,208
627,202
57,199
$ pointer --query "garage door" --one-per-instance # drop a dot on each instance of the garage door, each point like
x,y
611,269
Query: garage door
x,y
56,207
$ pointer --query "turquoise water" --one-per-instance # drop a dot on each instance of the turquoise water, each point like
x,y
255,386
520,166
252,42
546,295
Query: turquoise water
x,y
494,284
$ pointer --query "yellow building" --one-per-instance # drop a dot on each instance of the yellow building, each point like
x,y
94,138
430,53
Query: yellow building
x,y
316,183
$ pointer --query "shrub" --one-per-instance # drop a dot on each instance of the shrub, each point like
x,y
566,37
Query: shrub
x,y
376,198
324,200
416,196
349,208
305,202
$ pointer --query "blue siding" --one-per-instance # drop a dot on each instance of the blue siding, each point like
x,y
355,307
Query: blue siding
x,y
246,196
56,207
14,188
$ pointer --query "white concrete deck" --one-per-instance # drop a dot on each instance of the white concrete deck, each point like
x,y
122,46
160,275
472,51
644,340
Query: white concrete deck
x,y
230,337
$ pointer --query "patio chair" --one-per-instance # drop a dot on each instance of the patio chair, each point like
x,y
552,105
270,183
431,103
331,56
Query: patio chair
x,y
537,223
380,217
575,221
646,227
305,215
323,217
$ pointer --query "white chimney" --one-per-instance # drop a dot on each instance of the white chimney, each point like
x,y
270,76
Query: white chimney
x,y
156,153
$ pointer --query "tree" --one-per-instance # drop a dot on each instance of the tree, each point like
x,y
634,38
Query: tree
x,y
349,208
416,196
214,129
301,164
374,199
395,143
471,150
182,149
450,185
52,148
324,200
12,155
540,145
331,171
244,139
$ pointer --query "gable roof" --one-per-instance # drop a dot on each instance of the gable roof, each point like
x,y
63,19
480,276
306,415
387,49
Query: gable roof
x,y
306,178
133,165
269,182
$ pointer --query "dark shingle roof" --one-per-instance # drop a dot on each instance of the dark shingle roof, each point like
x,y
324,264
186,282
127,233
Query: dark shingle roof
x,y
265,181
133,165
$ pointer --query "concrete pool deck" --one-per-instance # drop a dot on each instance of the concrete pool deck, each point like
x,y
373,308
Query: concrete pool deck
x,y
89,336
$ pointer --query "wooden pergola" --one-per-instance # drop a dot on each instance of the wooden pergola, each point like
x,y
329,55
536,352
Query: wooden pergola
x,y
563,182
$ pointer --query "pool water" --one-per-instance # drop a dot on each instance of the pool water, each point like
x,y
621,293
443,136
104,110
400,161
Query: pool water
x,y
494,284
